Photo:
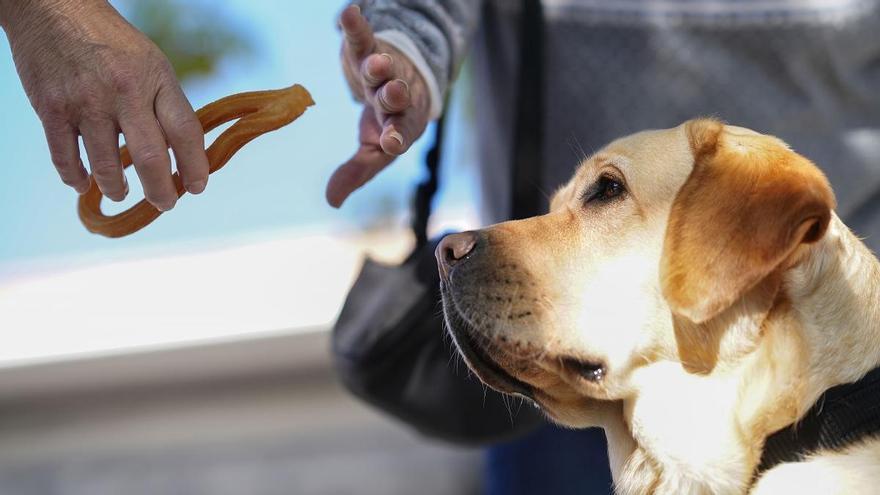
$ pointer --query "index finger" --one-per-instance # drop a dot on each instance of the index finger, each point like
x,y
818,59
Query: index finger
x,y
359,38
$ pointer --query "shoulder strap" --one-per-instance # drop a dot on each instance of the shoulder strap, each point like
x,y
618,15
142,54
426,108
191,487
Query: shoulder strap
x,y
427,188
527,153
528,136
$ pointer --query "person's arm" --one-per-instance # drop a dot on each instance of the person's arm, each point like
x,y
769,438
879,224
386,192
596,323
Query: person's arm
x,y
399,57
89,73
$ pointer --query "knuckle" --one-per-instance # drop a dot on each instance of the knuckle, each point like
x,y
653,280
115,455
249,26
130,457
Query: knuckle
x,y
153,158
94,114
91,107
122,79
72,180
63,164
88,94
105,168
68,176
187,129
164,67
53,107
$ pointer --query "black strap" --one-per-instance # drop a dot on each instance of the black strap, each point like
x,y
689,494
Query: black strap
x,y
427,189
843,415
528,137
527,153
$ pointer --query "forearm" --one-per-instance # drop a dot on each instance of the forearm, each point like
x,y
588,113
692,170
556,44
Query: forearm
x,y
433,33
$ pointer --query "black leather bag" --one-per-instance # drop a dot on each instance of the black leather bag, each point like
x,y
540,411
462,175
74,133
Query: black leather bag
x,y
391,349
390,345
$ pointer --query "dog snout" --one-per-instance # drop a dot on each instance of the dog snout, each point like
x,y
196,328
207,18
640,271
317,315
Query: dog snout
x,y
453,249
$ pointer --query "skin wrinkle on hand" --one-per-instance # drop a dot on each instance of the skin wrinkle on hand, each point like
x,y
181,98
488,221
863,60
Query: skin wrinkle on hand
x,y
258,112
90,74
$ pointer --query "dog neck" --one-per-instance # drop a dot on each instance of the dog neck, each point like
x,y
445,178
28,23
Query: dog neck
x,y
823,331
835,291
704,432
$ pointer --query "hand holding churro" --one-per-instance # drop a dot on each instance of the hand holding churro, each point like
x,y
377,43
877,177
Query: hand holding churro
x,y
258,113
89,73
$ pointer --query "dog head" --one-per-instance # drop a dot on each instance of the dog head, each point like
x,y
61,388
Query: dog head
x,y
655,249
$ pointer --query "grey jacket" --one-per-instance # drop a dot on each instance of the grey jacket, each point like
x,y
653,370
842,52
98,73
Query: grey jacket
x,y
808,72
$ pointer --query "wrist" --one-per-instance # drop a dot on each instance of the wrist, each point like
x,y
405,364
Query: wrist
x,y
8,10
18,15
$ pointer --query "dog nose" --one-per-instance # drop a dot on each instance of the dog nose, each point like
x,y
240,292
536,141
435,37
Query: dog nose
x,y
453,248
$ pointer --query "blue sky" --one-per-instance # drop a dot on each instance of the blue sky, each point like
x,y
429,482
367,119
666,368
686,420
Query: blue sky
x,y
276,182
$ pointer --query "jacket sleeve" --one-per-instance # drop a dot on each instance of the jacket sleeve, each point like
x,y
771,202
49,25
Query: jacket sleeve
x,y
434,34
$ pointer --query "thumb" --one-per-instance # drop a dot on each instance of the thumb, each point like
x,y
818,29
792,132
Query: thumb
x,y
368,161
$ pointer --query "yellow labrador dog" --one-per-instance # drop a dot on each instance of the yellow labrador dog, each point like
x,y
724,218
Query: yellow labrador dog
x,y
692,292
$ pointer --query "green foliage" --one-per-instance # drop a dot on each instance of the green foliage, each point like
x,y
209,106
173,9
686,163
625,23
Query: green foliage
x,y
193,35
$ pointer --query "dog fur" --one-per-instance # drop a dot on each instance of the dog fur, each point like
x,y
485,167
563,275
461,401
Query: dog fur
x,y
718,294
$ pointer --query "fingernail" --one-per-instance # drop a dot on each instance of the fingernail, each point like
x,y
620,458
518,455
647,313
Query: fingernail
x,y
370,70
165,206
197,187
356,7
387,57
396,136
405,84
119,197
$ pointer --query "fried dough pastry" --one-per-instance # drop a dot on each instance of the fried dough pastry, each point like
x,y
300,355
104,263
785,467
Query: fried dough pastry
x,y
258,112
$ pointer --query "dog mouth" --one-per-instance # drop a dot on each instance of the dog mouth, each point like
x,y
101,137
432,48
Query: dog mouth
x,y
466,340
471,344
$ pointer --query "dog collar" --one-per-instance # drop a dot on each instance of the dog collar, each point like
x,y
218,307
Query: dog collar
x,y
842,416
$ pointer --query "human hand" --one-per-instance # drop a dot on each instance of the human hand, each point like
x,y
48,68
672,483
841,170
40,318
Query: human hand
x,y
89,73
396,104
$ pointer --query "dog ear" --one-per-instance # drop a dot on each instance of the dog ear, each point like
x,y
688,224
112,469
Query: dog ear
x,y
748,205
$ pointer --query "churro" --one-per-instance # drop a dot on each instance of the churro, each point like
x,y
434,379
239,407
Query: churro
x,y
258,112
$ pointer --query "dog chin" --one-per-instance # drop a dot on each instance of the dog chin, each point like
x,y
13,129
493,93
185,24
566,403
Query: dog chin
x,y
472,346
572,408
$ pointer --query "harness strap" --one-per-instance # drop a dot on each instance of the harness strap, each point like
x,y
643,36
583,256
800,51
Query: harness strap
x,y
843,415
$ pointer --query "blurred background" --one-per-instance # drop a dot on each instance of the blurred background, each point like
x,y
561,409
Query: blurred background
x,y
227,388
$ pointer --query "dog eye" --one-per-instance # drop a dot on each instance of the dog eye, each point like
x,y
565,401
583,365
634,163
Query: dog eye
x,y
605,189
